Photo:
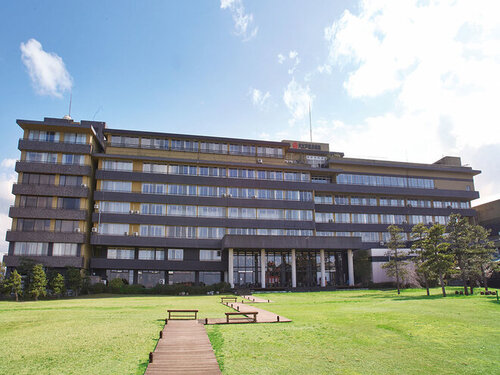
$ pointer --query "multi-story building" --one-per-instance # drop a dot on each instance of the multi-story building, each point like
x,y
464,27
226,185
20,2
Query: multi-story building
x,y
172,208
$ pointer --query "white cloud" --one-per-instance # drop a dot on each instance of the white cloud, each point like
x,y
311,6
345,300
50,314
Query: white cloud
x,y
243,22
46,69
297,98
438,63
259,99
281,58
8,163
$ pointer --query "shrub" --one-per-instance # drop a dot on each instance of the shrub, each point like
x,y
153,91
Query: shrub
x,y
116,284
97,288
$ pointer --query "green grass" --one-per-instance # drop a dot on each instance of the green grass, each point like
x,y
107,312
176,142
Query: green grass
x,y
344,332
367,332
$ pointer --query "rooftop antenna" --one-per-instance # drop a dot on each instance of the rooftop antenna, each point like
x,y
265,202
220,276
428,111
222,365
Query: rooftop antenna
x,y
68,116
310,123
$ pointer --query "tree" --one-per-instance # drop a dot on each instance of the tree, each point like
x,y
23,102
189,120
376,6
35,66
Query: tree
x,y
14,284
459,236
418,235
436,255
482,252
74,279
2,272
57,284
38,283
395,267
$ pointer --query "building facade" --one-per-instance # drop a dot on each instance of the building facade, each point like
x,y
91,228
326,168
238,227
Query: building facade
x,y
172,208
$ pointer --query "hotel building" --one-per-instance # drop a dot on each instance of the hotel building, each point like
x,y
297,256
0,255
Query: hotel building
x,y
173,208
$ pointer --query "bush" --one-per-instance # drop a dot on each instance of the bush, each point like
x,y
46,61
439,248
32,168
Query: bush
x,y
97,288
116,284
133,289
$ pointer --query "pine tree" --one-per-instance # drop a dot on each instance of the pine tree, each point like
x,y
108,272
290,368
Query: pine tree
x,y
74,279
418,235
57,284
14,284
438,259
459,237
38,282
482,253
395,267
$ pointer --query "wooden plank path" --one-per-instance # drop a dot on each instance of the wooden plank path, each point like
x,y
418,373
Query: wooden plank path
x,y
183,349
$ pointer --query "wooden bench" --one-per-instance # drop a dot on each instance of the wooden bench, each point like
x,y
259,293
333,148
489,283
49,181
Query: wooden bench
x,y
230,314
224,299
182,314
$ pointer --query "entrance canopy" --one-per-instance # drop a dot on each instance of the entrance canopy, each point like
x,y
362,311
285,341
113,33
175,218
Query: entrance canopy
x,y
231,241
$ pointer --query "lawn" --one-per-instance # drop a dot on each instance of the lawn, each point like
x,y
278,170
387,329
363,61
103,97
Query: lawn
x,y
344,332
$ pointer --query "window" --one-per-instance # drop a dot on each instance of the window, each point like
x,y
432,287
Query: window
x,y
41,157
342,218
123,141
181,232
34,201
209,277
213,148
156,143
211,211
121,186
68,203
364,218
270,152
303,215
75,138
175,254
392,219
393,202
213,233
178,145
154,188
241,150
153,209
323,199
270,214
70,180
181,210
341,200
154,168
33,225
31,248
115,165
210,255
38,179
115,207
242,213
390,181
152,230
151,254
67,226
114,229
324,217
321,180
43,136
182,190
65,249
368,236
114,253
363,201
211,191
186,170
74,159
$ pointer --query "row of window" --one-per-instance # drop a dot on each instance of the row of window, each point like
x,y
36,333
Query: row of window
x,y
195,232
365,236
35,201
46,136
50,157
208,191
193,170
385,201
195,146
36,225
42,249
402,182
49,179
157,254
208,211
361,218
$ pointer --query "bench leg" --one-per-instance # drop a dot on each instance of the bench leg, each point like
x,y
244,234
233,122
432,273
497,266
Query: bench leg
x,y
227,318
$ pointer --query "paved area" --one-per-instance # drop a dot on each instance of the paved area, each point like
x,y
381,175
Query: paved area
x,y
184,349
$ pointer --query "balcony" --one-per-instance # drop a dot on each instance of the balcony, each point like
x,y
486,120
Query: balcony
x,y
47,213
52,168
50,190
45,237
70,148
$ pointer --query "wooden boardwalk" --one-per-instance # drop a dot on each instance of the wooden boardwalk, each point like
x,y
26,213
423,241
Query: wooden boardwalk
x,y
184,349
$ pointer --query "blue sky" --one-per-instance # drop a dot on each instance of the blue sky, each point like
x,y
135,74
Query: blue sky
x,y
406,80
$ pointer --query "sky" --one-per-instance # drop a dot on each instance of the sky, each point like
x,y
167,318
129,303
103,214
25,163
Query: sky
x,y
406,80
